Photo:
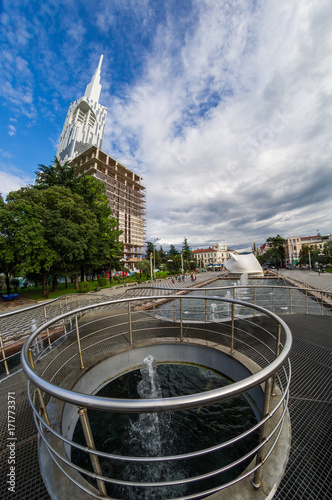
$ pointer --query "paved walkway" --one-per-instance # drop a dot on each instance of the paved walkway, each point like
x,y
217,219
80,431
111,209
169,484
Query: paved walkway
x,y
312,279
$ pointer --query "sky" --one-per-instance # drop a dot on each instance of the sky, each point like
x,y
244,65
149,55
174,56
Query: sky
x,y
223,107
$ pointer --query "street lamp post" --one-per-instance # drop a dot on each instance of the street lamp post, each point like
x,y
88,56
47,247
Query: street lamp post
x,y
181,263
122,262
154,258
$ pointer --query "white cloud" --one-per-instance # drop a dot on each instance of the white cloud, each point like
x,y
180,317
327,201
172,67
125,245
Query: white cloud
x,y
12,181
11,130
232,129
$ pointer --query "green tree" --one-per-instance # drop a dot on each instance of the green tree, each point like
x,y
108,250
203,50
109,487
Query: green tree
x,y
144,266
106,252
53,228
308,254
278,249
173,251
328,251
56,175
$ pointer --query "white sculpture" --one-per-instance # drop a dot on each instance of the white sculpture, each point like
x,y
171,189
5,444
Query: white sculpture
x,y
240,264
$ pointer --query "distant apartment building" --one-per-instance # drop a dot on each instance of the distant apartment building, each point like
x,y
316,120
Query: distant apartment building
x,y
126,196
80,143
214,256
294,245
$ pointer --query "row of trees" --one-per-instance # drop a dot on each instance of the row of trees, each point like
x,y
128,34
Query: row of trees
x,y
170,261
308,253
61,225
312,254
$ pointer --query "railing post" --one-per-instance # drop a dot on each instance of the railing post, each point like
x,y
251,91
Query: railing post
x,y
233,322
321,298
47,330
91,444
40,396
181,324
129,321
277,354
174,310
256,481
79,342
255,300
206,307
290,299
273,299
4,355
306,301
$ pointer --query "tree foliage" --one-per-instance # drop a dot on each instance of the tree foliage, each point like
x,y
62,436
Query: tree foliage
x,y
277,247
63,224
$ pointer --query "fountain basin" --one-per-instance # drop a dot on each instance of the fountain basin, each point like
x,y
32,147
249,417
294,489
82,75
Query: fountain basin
x,y
94,378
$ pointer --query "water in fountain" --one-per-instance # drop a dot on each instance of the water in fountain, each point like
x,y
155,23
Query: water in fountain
x,y
147,429
213,308
168,433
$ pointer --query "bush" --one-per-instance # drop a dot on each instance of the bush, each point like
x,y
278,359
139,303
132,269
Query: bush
x,y
84,287
15,283
102,281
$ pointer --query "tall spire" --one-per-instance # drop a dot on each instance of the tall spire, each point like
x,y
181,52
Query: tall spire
x,y
92,91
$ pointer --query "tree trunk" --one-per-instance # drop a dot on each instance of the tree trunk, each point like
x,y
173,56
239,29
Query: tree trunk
x,y
76,278
111,271
54,283
7,283
45,289
82,273
66,282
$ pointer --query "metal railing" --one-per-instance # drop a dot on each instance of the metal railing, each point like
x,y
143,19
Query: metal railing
x,y
275,298
15,326
89,334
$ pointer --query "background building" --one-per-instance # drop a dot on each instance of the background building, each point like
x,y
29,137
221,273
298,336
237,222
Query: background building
x,y
85,122
211,257
126,196
80,143
294,245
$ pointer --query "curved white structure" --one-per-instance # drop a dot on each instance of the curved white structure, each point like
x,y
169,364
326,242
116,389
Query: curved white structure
x,y
240,264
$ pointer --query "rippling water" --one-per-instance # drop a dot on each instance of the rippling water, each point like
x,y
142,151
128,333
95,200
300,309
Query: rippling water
x,y
178,432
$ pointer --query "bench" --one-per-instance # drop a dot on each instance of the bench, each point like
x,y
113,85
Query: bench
x,y
12,296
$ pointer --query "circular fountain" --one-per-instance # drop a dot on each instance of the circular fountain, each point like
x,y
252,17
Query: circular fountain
x,y
126,449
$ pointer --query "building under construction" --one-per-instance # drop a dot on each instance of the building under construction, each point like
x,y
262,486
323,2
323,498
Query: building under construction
x,y
126,196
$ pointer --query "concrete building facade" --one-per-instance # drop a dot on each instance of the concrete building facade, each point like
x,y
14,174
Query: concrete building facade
x,y
80,143
294,245
126,196
214,256
85,122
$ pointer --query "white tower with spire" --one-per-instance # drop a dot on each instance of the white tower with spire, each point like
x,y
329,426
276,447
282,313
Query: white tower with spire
x,y
85,122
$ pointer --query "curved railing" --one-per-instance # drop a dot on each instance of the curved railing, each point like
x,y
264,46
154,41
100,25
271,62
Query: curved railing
x,y
109,329
16,326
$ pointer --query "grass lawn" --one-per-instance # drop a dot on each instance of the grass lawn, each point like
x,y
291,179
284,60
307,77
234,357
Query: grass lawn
x,y
35,293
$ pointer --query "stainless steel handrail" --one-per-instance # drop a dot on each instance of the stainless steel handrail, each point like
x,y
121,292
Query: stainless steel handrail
x,y
81,400
166,404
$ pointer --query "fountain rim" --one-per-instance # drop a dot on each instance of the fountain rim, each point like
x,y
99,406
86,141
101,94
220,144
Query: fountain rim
x,y
163,404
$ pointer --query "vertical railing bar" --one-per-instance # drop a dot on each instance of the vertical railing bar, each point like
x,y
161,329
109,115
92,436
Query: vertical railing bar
x,y
233,322
278,338
206,307
79,342
4,355
91,444
291,301
47,330
40,396
256,482
181,324
306,302
129,321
